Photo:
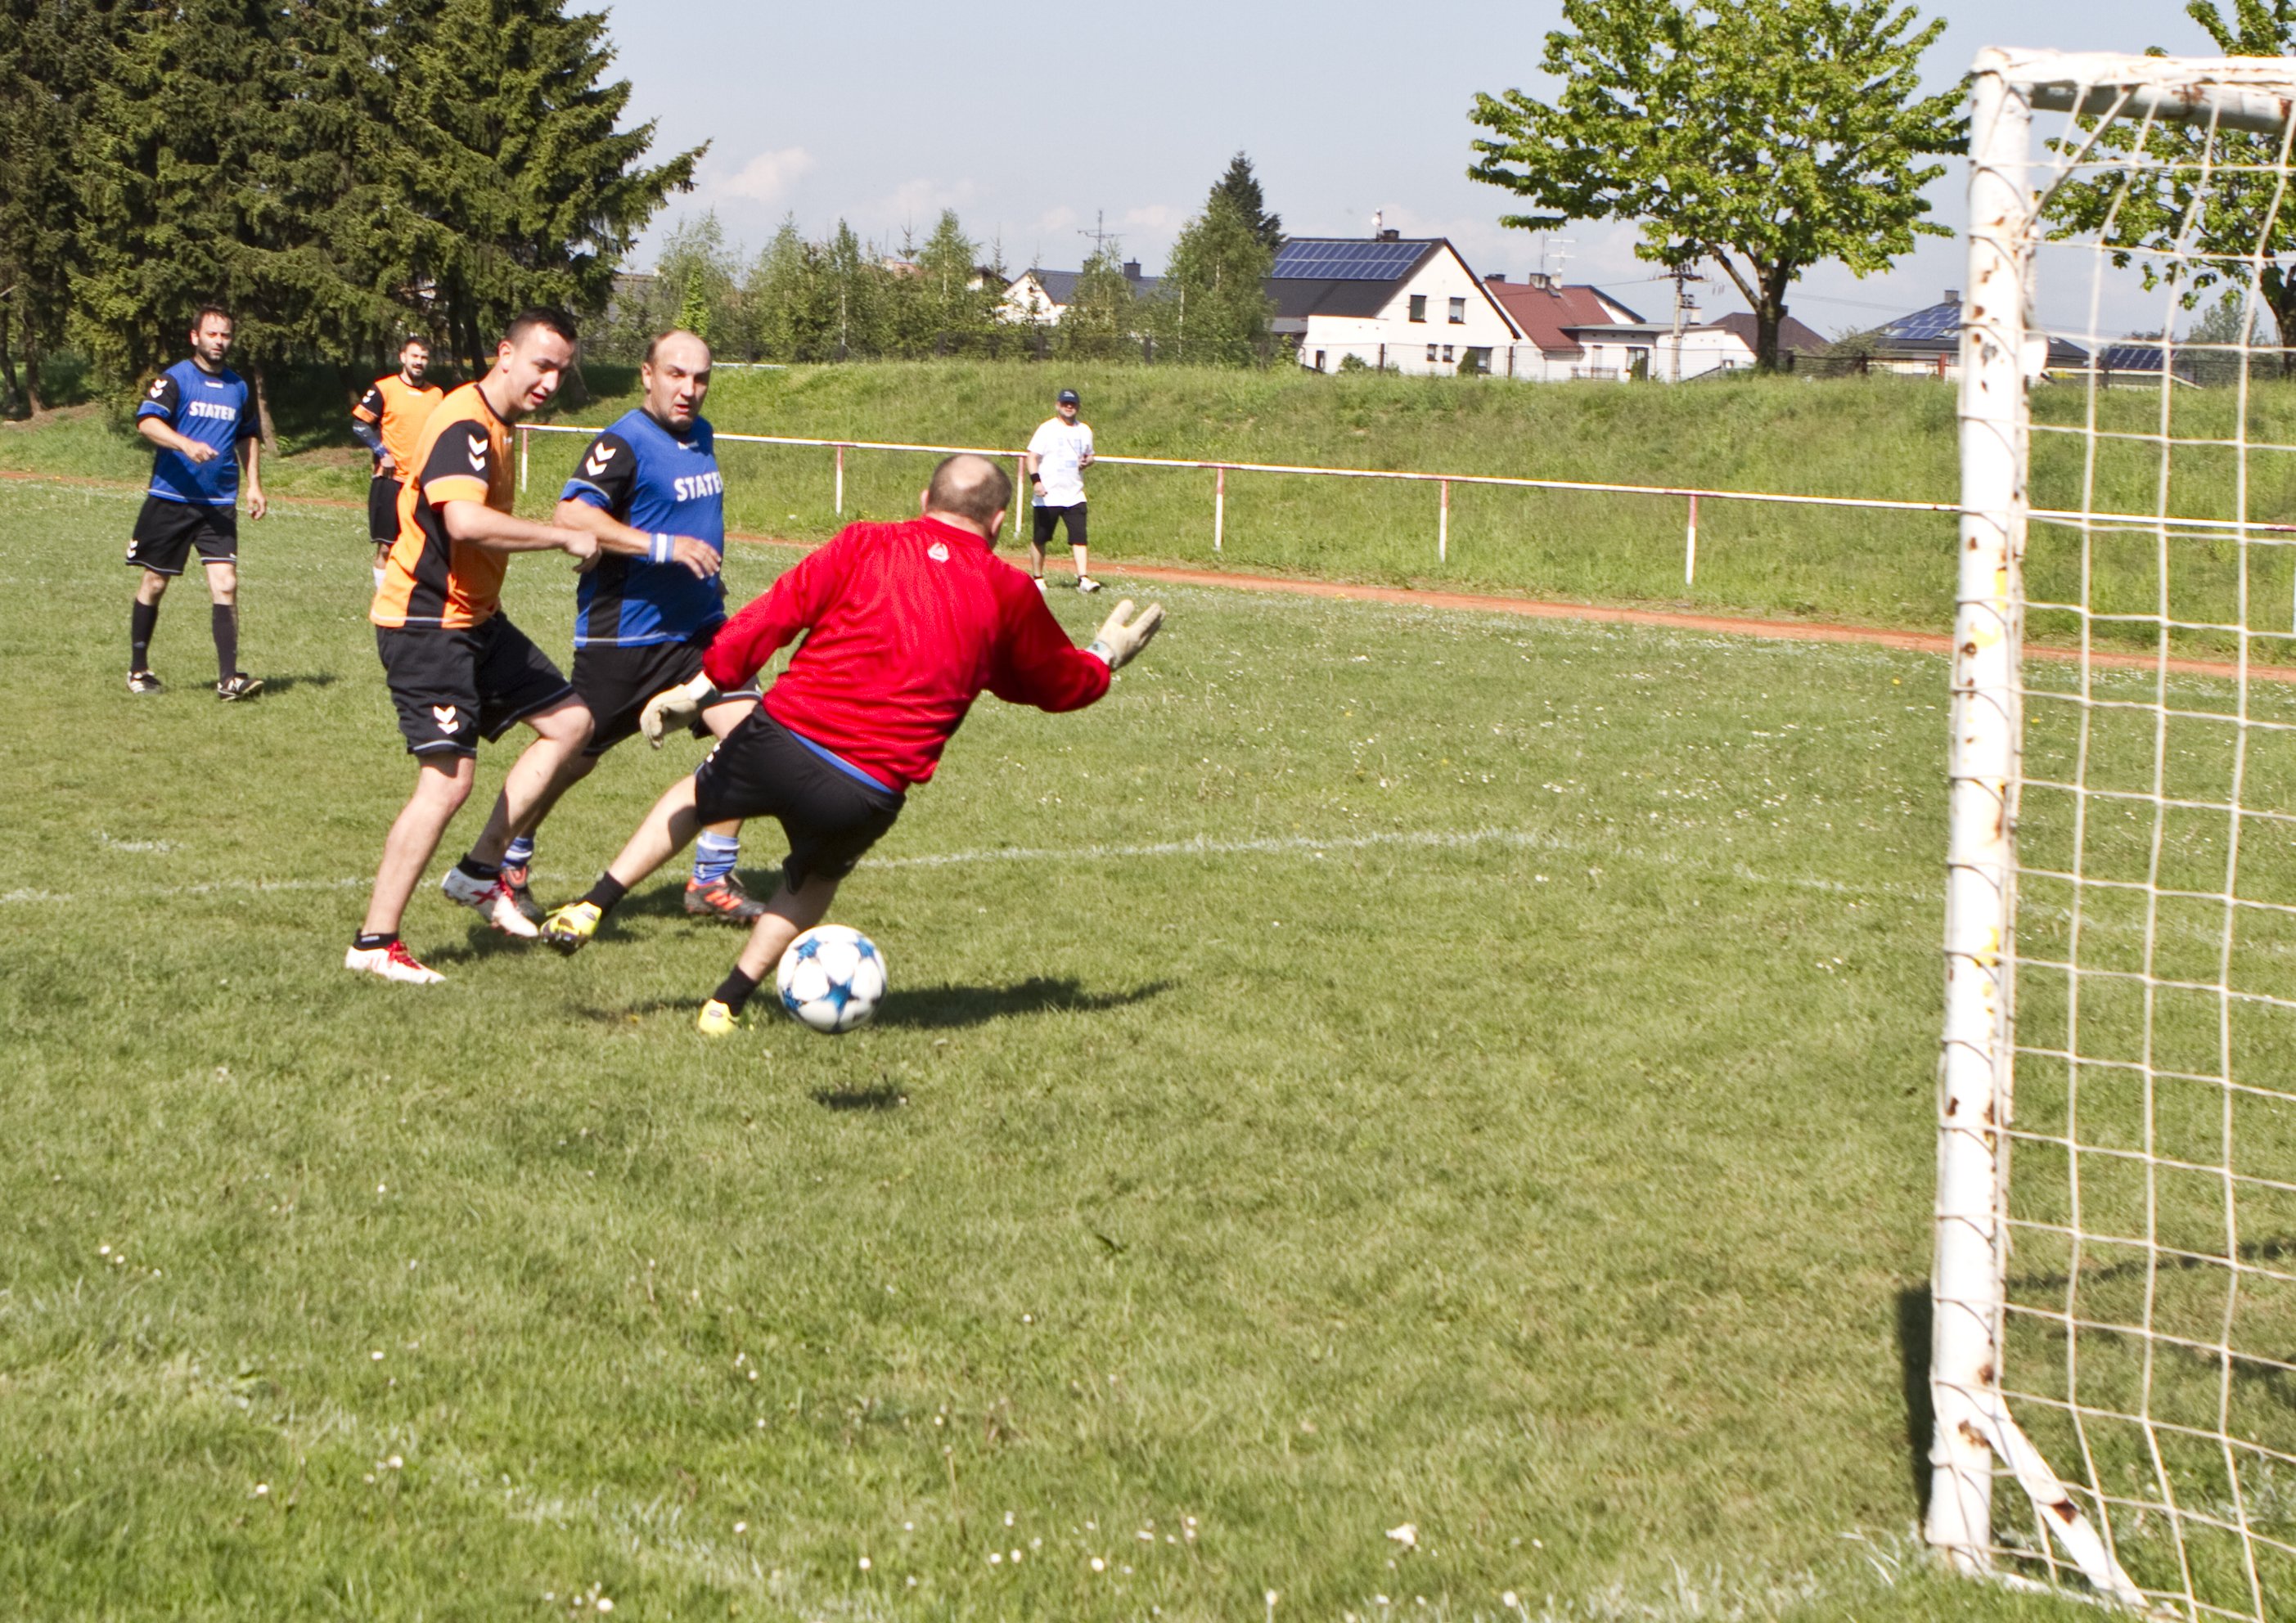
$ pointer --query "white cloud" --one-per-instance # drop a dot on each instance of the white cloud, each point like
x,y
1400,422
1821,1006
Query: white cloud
x,y
1155,216
766,177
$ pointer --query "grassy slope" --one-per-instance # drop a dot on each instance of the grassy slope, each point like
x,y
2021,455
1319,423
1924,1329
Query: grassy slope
x,y
1542,1159
1884,437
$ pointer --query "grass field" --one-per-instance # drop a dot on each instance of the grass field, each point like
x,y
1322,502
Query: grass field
x,y
1378,1068
1880,438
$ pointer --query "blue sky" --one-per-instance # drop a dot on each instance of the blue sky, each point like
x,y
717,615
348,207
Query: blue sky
x,y
886,113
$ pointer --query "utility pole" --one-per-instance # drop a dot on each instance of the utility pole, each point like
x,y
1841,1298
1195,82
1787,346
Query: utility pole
x,y
1100,234
1683,301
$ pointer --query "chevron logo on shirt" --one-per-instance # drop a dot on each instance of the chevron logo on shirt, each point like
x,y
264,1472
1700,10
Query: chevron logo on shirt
x,y
444,716
599,457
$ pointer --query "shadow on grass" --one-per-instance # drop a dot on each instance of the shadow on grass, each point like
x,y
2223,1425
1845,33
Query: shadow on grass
x,y
881,1097
281,685
1913,1367
944,1007
629,1012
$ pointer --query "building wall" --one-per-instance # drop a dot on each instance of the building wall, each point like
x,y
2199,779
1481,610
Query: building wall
x,y
1402,342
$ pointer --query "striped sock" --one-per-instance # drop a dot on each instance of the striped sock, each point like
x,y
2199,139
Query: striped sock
x,y
521,854
713,857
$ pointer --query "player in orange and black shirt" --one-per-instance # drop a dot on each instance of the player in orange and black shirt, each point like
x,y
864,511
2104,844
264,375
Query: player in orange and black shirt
x,y
387,420
458,670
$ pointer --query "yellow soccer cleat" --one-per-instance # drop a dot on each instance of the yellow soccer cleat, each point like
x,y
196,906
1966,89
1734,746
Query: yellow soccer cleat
x,y
716,1019
570,927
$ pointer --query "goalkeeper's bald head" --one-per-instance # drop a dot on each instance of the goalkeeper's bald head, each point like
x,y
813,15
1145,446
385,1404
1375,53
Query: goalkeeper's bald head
x,y
970,492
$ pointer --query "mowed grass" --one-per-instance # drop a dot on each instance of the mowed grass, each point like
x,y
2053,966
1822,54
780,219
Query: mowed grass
x,y
1378,1068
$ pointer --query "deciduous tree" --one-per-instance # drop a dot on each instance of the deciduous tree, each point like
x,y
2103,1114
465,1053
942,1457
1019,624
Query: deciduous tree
x,y
1767,136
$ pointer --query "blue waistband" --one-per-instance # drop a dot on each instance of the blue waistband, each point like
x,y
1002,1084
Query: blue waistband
x,y
841,763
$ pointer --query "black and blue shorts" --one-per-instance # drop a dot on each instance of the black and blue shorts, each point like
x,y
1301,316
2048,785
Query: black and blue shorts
x,y
762,769
167,531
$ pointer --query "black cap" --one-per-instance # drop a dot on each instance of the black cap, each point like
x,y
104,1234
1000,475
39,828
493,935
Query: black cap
x,y
1066,397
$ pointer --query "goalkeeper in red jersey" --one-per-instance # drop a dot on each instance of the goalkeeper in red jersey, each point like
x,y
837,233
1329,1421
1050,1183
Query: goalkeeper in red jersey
x,y
905,625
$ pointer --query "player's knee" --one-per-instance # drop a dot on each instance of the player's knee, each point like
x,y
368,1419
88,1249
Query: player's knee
x,y
569,724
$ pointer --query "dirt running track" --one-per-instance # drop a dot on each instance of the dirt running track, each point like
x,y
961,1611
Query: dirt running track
x,y
1528,608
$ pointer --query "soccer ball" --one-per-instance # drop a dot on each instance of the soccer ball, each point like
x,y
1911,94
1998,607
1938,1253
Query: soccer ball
x,y
832,978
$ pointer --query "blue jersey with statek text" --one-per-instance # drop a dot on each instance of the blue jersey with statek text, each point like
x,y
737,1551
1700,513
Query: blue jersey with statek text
x,y
665,484
212,407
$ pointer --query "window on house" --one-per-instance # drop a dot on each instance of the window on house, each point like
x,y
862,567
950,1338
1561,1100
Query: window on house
x,y
1446,352
1458,312
1430,352
1418,306
1319,360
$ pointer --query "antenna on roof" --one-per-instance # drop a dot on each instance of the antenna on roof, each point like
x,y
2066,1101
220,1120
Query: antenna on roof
x,y
1378,221
1100,234
1558,249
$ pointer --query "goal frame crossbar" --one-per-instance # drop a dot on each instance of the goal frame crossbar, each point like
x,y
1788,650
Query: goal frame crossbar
x,y
2001,352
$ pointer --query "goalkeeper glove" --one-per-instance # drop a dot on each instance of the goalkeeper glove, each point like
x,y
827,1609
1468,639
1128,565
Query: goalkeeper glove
x,y
678,707
1119,643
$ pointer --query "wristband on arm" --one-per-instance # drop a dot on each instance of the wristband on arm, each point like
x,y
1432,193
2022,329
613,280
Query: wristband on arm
x,y
662,550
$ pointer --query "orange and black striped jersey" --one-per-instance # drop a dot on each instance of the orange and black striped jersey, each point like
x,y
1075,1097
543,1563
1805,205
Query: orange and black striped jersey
x,y
397,410
463,455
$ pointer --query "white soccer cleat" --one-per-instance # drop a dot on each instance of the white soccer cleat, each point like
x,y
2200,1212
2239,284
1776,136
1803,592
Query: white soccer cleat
x,y
392,963
492,900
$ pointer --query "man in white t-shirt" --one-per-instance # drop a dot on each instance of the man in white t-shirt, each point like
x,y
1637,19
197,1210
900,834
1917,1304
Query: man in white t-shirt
x,y
1058,454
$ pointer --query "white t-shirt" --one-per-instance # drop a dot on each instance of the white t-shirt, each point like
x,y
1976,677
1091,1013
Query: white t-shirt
x,y
1059,449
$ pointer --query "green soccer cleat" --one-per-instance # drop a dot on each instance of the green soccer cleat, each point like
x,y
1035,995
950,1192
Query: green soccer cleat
x,y
716,1019
570,927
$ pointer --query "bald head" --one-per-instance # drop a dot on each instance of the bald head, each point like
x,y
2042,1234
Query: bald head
x,y
970,492
675,378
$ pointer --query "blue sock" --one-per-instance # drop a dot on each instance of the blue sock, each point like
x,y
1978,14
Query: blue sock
x,y
713,857
521,854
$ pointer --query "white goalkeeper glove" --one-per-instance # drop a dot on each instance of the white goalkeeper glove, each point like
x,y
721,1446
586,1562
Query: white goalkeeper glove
x,y
678,707
1119,643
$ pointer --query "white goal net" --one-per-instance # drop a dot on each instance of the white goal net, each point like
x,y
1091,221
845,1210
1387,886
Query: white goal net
x,y
2113,1358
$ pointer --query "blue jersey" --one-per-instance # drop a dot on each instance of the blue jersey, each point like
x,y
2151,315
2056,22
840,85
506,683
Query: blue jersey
x,y
651,479
212,407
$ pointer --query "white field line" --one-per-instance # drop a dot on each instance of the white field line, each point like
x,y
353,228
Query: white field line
x,y
1309,846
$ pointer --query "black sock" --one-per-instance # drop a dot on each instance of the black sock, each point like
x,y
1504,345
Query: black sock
x,y
735,992
225,619
606,894
142,619
471,867
367,943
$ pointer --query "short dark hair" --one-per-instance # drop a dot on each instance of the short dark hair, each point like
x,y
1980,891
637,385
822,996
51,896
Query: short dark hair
x,y
541,315
217,310
971,487
410,340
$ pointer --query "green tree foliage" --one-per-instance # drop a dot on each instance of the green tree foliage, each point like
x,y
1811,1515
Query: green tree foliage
x,y
334,171
1100,323
1769,136
505,164
949,306
53,55
1241,187
1211,307
2216,226
779,292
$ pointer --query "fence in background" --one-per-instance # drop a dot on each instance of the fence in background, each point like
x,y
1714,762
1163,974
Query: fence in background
x,y
1220,470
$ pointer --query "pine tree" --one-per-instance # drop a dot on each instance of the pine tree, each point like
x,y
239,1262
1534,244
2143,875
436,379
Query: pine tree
x,y
779,293
960,302
1241,187
509,182
1101,322
1212,307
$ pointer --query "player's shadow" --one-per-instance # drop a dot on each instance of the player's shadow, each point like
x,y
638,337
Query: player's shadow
x,y
944,1007
280,685
881,1097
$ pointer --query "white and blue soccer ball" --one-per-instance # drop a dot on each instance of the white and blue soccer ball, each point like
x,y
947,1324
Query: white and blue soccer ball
x,y
832,978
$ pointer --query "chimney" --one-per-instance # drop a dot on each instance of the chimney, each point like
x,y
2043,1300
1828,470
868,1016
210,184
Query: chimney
x,y
1540,279
1495,277
1131,270
1952,295
1391,236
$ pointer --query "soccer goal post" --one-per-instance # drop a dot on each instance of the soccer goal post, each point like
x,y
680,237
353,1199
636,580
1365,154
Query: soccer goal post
x,y
2114,1330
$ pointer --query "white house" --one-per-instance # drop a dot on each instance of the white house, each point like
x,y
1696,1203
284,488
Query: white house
x,y
1405,304
1043,296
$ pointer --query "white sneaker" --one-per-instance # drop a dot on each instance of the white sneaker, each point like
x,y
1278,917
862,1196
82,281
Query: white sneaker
x,y
492,900
1086,582
1041,586
392,963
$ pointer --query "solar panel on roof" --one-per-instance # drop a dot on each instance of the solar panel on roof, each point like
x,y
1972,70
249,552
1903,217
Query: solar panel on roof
x,y
1938,320
2131,357
1342,260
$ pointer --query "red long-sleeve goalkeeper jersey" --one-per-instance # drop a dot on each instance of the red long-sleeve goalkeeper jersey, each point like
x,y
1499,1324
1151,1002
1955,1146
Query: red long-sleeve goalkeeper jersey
x,y
907,624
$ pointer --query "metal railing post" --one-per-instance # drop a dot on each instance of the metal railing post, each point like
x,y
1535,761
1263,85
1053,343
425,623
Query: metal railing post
x,y
1443,526
524,440
1690,546
840,481
1219,505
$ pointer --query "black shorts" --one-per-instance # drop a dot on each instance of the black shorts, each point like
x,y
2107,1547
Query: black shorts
x,y
615,683
451,688
382,508
1046,516
167,531
761,770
